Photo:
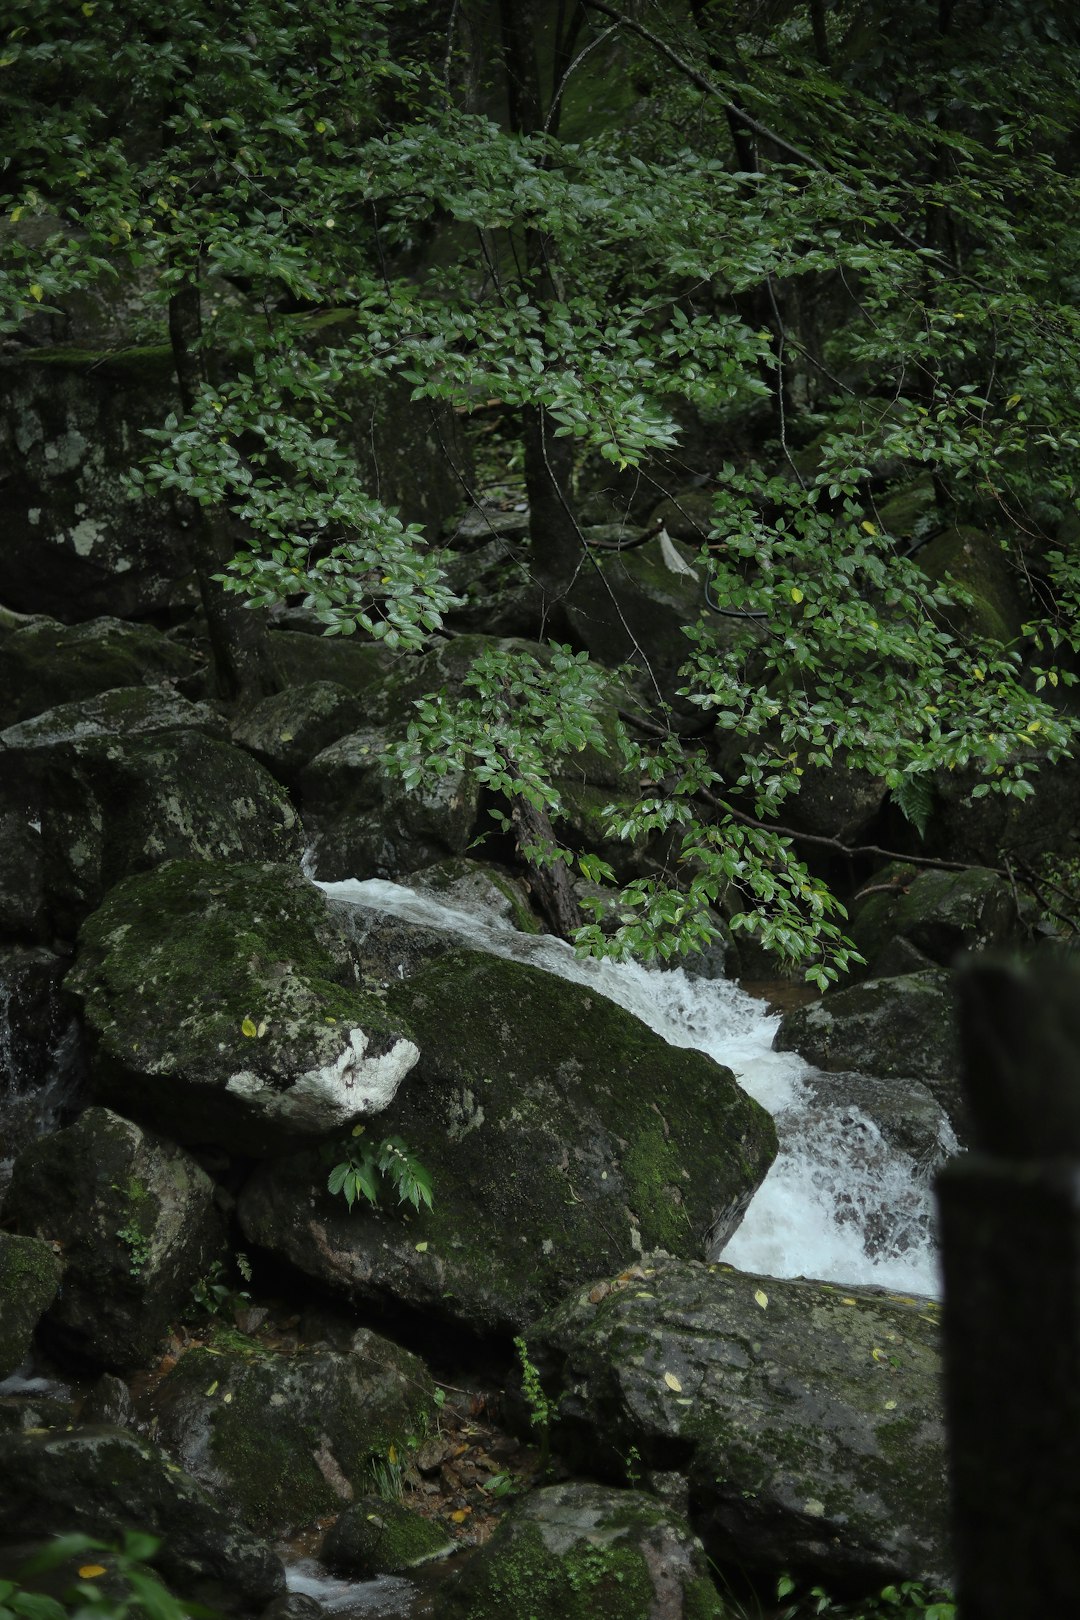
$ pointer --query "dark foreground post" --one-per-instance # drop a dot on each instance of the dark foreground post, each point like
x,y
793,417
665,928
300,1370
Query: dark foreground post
x,y
1010,1228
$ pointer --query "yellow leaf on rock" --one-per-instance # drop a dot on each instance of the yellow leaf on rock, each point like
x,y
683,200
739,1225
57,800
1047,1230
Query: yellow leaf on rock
x,y
213,1387
673,1383
90,1572
461,1515
762,1298
248,1027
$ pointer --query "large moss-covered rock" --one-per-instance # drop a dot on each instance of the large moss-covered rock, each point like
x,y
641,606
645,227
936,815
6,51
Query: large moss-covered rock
x,y
377,1537
283,1439
940,913
103,1482
577,1552
124,711
76,540
899,1027
222,1007
289,728
30,1273
361,667
980,566
562,1137
112,804
634,605
134,1216
43,663
808,1417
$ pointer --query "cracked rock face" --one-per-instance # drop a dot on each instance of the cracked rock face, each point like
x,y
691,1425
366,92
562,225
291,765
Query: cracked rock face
x,y
223,1008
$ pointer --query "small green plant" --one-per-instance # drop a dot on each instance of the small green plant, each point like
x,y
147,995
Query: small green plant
x,y
365,1164
86,1598
132,1233
910,1600
388,1474
541,1410
214,1292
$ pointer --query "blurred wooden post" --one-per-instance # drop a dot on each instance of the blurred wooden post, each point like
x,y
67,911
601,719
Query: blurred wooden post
x,y
1010,1230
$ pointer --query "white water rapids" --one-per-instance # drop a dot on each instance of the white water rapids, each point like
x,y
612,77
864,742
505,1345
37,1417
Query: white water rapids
x,y
839,1204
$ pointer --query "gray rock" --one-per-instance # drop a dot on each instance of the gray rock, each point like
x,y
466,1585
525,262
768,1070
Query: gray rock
x,y
222,1008
808,1417
577,1551
44,663
364,822
562,1137
135,1219
289,728
103,1481
30,1273
896,1028
282,1439
124,711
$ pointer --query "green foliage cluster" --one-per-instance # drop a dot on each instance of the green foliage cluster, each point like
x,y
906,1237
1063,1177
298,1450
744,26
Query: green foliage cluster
x,y
364,1165
843,239
113,1590
907,1600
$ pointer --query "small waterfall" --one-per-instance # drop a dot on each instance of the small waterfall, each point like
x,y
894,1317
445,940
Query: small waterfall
x,y
841,1203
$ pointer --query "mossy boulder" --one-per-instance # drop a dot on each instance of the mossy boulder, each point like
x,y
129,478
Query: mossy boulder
x,y
101,1482
123,711
562,1137
222,1008
135,1219
110,804
808,1417
376,1537
287,729
30,1273
894,1028
361,667
44,663
284,1439
979,565
579,1551
940,913
634,605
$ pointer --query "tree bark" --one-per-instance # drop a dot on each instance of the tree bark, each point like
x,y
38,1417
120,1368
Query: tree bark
x,y
238,639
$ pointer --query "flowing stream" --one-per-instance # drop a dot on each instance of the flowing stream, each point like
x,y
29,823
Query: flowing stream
x,y
840,1203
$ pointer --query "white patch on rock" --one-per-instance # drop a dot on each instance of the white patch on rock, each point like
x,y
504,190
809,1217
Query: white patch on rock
x,y
33,516
85,536
334,1096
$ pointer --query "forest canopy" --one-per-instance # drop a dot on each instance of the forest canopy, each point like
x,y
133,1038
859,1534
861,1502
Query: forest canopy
x,y
803,258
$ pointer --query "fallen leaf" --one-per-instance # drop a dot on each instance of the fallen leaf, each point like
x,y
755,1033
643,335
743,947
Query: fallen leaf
x,y
248,1027
460,1515
673,1383
90,1572
762,1298
213,1387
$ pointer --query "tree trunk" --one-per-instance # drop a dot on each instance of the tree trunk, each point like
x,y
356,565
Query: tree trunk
x,y
238,639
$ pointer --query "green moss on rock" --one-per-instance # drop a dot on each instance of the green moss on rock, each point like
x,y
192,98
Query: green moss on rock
x,y
30,1273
